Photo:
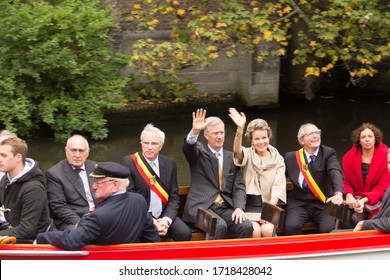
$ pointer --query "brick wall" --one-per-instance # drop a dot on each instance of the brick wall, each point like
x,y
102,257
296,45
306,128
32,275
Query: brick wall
x,y
256,83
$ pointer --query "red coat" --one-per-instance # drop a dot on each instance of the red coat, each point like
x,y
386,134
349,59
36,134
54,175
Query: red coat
x,y
378,176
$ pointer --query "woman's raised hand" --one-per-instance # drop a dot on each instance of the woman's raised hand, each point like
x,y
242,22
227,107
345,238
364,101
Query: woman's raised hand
x,y
238,118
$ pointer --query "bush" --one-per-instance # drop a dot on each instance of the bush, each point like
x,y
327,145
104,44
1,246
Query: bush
x,y
58,67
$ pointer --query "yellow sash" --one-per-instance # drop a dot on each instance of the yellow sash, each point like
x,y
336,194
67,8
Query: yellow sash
x,y
150,179
312,184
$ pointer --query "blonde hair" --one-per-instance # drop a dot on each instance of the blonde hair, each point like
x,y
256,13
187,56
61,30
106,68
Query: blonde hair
x,y
212,121
257,124
19,146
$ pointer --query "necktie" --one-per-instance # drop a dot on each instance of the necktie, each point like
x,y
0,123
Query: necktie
x,y
78,170
304,183
155,201
312,158
86,189
218,200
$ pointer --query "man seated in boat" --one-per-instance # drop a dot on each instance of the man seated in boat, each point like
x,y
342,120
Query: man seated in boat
x,y
380,221
120,217
217,183
22,192
155,177
4,134
317,177
69,189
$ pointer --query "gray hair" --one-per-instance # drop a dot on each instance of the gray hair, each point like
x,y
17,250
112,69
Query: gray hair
x,y
123,182
75,136
5,134
151,129
212,121
300,130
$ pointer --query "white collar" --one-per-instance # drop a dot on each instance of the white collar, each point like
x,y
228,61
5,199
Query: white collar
x,y
308,155
213,151
155,162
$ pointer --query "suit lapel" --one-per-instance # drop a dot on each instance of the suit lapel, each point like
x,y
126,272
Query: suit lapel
x,y
89,167
317,163
227,159
163,170
71,175
214,166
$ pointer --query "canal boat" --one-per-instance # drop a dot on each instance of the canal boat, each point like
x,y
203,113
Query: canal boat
x,y
370,244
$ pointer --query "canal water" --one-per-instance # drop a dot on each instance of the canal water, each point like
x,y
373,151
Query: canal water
x,y
336,117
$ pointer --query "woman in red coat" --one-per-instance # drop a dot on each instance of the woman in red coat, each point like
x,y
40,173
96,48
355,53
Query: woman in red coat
x,y
366,176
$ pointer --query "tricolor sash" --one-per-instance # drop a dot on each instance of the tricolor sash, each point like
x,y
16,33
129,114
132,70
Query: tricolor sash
x,y
150,177
312,184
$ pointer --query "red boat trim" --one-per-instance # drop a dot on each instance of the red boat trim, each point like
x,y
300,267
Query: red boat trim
x,y
281,247
41,253
334,254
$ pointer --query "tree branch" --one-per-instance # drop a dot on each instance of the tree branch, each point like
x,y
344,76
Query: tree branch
x,y
299,11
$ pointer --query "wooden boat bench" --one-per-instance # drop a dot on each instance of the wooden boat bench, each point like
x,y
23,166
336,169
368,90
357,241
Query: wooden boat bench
x,y
206,221
199,234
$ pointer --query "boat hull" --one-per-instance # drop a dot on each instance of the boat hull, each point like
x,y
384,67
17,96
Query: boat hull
x,y
343,245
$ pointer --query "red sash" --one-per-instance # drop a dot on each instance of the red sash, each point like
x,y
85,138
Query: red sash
x,y
312,184
150,177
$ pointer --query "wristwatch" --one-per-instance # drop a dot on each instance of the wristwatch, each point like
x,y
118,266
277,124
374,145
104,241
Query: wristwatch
x,y
339,193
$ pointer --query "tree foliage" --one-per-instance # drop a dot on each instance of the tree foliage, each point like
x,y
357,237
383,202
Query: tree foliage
x,y
57,67
353,34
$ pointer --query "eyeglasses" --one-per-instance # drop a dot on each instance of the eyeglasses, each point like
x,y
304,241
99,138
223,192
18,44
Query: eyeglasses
x,y
317,132
99,183
147,144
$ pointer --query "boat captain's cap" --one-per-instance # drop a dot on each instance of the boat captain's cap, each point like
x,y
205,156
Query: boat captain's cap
x,y
110,169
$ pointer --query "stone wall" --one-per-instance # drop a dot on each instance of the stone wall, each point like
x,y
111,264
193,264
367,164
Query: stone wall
x,y
256,83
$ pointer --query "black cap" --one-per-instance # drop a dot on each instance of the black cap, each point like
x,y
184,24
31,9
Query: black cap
x,y
109,169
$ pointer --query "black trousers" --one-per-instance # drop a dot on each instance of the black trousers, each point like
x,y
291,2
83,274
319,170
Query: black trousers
x,y
297,216
225,224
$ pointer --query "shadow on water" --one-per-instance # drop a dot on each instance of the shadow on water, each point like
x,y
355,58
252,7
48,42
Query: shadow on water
x,y
337,117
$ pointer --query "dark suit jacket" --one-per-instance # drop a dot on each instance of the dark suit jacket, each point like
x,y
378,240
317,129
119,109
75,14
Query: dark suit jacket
x,y
121,218
204,186
168,176
326,171
66,194
381,221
